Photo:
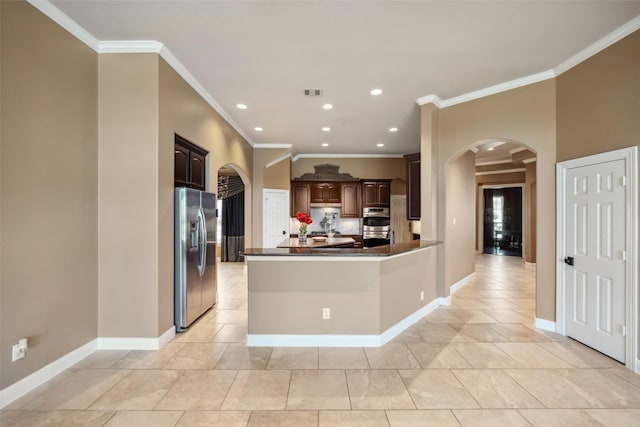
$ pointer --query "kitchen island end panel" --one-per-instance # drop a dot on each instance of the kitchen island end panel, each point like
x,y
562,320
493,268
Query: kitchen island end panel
x,y
370,299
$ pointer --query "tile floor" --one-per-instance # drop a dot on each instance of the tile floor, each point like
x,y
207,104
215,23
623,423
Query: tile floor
x,y
477,362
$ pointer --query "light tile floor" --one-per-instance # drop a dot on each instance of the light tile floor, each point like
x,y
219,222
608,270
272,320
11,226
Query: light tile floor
x,y
478,362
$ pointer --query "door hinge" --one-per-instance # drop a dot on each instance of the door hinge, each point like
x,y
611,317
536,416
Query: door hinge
x,y
623,255
623,181
624,331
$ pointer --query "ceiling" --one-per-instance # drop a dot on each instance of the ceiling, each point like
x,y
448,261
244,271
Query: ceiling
x,y
264,54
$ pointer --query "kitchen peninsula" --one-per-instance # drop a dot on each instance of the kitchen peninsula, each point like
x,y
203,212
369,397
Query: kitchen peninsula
x,y
306,296
314,242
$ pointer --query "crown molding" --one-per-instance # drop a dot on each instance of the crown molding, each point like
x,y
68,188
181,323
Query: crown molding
x,y
130,46
272,145
430,99
494,162
65,22
599,45
529,160
491,90
517,150
596,47
347,156
500,171
134,46
278,159
474,150
166,54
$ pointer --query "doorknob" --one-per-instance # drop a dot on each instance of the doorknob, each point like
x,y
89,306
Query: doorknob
x,y
568,260
284,232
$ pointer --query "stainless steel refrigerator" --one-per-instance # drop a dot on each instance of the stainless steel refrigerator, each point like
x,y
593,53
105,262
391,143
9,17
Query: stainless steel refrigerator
x,y
195,274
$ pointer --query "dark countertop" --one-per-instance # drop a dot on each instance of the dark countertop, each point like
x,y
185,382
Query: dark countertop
x,y
313,243
378,251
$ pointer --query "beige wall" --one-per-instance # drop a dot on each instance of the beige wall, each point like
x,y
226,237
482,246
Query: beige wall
x,y
598,107
525,115
501,178
461,200
48,196
128,194
275,177
183,111
530,223
597,102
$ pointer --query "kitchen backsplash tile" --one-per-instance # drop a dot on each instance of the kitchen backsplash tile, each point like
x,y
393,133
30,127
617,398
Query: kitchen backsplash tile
x,y
320,216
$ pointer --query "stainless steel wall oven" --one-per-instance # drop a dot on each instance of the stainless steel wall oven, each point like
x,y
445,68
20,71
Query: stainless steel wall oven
x,y
376,224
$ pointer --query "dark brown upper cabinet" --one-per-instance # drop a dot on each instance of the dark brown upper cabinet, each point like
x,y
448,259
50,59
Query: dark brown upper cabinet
x,y
413,186
325,193
301,195
350,200
190,169
376,193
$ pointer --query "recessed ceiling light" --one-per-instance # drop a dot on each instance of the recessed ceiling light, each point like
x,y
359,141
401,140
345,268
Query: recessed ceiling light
x,y
326,129
258,128
393,129
241,106
380,145
376,92
327,106
490,149
324,144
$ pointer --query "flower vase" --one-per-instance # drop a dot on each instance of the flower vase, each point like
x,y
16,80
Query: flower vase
x,y
302,237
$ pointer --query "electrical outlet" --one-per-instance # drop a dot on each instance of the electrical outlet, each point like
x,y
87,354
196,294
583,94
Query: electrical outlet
x,y
18,353
19,350
326,313
421,295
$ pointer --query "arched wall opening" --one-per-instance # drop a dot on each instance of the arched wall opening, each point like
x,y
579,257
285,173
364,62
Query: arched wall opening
x,y
526,115
494,167
234,212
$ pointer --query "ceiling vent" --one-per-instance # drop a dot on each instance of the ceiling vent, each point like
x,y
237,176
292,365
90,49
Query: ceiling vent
x,y
312,92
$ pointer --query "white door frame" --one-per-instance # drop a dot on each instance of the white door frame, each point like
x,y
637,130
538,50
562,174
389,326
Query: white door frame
x,y
631,266
264,223
480,219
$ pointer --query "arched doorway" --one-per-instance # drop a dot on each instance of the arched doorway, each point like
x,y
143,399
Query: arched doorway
x,y
493,165
231,213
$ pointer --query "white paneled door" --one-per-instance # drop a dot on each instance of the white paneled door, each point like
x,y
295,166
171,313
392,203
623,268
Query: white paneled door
x,y
275,217
594,250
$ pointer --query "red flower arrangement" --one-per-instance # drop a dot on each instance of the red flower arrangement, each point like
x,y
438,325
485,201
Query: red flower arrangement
x,y
304,220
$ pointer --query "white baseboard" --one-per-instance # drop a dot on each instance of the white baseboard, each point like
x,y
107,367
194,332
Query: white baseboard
x,y
445,300
461,283
28,383
125,343
273,340
44,374
545,325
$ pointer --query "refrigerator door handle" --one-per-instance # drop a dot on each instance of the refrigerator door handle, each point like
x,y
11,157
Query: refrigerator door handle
x,y
203,248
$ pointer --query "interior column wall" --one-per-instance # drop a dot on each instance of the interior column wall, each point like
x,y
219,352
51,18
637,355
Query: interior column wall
x,y
128,196
525,115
